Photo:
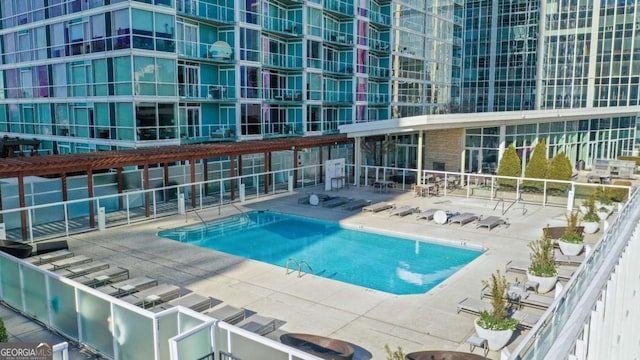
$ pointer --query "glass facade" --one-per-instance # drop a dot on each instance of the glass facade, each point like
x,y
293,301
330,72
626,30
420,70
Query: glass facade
x,y
112,74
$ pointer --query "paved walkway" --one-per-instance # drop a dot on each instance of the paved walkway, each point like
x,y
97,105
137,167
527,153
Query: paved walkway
x,y
325,307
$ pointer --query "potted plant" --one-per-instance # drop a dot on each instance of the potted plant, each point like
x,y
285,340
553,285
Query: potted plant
x,y
571,242
496,326
394,354
543,267
590,219
603,201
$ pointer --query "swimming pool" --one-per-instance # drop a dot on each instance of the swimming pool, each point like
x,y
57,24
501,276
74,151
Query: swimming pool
x,y
384,263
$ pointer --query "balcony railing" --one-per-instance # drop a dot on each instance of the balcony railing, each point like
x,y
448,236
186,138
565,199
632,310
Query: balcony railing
x,y
282,26
283,61
214,12
339,38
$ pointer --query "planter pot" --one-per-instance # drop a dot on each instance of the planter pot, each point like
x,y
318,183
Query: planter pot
x,y
546,283
496,339
609,207
590,227
568,248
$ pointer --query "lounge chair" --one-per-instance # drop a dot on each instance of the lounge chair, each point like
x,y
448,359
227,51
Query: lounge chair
x,y
44,247
227,313
427,214
153,295
473,306
258,324
356,204
403,210
526,320
66,262
75,271
103,277
536,301
193,301
491,221
49,257
129,286
335,202
463,218
522,267
562,259
377,207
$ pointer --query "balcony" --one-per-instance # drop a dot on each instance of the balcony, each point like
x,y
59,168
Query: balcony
x,y
342,69
339,39
282,27
218,52
340,9
377,99
380,46
221,14
282,61
379,19
378,72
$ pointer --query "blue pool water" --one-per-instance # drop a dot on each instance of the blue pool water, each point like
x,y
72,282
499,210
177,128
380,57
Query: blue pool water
x,y
379,262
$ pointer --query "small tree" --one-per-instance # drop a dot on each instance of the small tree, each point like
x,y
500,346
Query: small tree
x,y
537,167
542,263
4,337
394,354
509,165
559,169
497,319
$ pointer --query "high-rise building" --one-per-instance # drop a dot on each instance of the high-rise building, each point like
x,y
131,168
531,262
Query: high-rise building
x,y
110,74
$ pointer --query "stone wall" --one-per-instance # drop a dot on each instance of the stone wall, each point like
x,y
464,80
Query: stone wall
x,y
444,146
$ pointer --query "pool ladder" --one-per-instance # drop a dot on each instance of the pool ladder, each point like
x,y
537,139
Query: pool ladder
x,y
299,265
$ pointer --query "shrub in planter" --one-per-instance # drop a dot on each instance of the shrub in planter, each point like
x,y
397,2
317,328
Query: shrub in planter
x,y
509,165
543,267
496,326
537,168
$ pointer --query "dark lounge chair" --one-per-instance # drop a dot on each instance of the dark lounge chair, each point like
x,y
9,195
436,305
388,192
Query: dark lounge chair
x,y
15,248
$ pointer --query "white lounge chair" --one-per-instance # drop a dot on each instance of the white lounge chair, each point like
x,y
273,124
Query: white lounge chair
x,y
356,204
526,320
562,259
522,267
427,214
153,296
403,211
227,313
377,207
463,218
258,324
491,221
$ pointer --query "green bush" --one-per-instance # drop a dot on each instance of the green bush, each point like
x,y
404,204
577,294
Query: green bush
x,y
509,165
631,158
4,337
618,194
498,318
536,168
559,169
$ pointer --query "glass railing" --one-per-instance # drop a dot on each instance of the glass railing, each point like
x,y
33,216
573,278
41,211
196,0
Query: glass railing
x,y
284,61
282,26
380,18
215,12
340,7
379,45
337,37
112,327
207,51
335,67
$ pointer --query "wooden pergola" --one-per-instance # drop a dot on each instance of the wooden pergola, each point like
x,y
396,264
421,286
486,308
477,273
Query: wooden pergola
x,y
90,163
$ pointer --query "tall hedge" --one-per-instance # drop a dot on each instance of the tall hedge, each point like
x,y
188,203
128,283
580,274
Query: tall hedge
x,y
537,167
559,169
509,165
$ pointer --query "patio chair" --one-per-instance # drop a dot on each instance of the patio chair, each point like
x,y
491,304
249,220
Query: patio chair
x,y
562,259
227,313
103,277
258,324
75,271
491,221
335,202
403,211
193,301
463,218
126,287
473,306
356,204
536,301
49,257
526,320
66,262
377,207
522,267
427,214
153,296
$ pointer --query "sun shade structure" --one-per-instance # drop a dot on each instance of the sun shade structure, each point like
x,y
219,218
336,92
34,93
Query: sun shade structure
x,y
89,163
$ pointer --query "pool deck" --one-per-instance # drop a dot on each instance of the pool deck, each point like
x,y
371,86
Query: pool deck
x,y
310,304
